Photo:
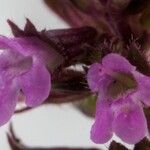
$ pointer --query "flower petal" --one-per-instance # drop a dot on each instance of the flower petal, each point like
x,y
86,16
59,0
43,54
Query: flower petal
x,y
101,130
8,100
143,93
94,76
117,62
9,43
130,123
97,80
36,84
13,64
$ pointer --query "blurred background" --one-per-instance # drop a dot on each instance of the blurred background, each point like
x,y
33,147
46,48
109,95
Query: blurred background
x,y
51,125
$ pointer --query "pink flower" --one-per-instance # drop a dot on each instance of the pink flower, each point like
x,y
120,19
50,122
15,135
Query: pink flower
x,y
22,67
122,90
28,60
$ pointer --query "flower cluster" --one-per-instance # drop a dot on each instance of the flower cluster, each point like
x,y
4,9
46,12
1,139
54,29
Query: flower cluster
x,y
115,33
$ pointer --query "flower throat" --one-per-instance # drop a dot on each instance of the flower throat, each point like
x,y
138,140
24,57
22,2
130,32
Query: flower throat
x,y
122,84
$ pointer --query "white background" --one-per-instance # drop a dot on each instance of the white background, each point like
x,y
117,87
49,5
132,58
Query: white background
x,y
52,125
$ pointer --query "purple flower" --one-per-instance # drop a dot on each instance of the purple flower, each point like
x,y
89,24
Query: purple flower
x,y
23,66
122,91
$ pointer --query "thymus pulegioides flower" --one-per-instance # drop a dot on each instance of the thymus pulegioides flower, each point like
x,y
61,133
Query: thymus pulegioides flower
x,y
30,58
21,68
122,90
26,64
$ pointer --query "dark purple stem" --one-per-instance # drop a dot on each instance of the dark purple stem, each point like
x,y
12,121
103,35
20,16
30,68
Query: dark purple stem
x,y
16,144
